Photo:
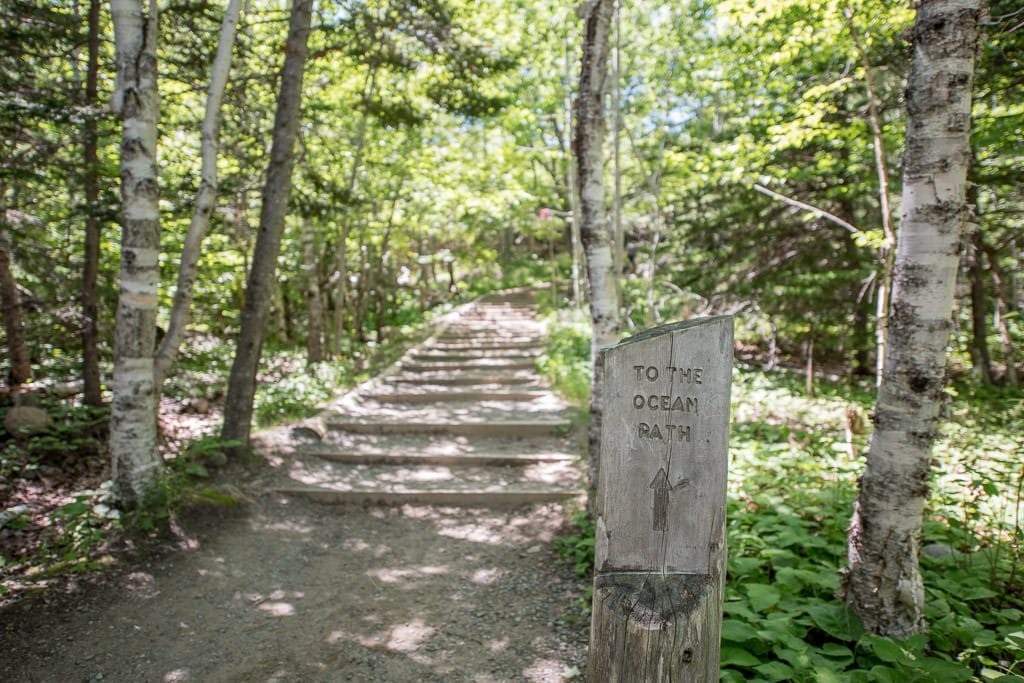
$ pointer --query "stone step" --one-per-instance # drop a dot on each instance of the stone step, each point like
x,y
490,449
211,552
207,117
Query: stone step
x,y
443,395
358,457
471,355
478,427
477,340
465,365
551,447
539,481
465,379
466,498
500,314
484,346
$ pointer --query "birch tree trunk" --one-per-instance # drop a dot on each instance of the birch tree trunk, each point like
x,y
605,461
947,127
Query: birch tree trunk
x,y
314,304
341,255
574,197
91,394
260,286
136,463
588,143
883,581
206,195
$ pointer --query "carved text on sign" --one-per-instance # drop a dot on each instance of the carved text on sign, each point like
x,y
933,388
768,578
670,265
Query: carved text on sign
x,y
666,403
652,373
664,432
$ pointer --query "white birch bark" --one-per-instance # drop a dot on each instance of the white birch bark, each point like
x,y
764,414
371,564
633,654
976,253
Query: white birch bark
x,y
206,195
341,253
136,462
883,582
314,304
588,142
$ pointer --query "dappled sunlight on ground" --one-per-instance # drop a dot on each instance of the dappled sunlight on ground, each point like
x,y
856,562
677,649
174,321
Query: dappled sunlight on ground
x,y
282,589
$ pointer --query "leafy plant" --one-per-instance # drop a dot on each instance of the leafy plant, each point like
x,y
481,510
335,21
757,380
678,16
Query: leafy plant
x,y
791,491
83,525
577,549
565,361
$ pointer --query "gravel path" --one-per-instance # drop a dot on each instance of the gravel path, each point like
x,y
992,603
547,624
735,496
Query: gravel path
x,y
284,589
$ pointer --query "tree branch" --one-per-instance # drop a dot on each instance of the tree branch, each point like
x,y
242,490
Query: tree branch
x,y
807,207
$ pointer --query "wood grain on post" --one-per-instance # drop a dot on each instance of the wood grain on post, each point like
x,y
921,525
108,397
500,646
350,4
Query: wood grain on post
x,y
660,553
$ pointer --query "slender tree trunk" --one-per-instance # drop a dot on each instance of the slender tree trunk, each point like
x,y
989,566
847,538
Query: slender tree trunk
x,y
453,287
91,392
20,370
588,140
618,235
280,323
276,192
1003,309
883,581
979,314
884,289
652,266
206,196
382,272
314,306
137,467
341,287
359,315
809,369
423,259
574,201
861,340
341,255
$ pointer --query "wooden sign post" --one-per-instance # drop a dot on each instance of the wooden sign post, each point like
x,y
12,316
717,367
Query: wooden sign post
x,y
660,552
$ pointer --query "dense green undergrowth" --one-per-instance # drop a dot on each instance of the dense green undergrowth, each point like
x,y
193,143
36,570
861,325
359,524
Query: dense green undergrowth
x,y
792,482
565,361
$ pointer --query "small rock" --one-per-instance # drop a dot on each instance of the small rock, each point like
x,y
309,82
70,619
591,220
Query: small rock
x,y
937,550
27,420
198,406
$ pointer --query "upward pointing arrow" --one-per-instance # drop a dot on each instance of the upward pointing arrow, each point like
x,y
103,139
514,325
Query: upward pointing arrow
x,y
661,487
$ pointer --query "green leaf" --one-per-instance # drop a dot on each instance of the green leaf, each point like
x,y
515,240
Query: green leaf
x,y
944,670
976,593
196,470
73,509
823,675
762,596
734,656
886,674
836,650
887,650
737,631
775,671
837,621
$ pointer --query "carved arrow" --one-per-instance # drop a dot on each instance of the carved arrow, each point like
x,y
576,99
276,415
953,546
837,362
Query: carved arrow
x,y
661,486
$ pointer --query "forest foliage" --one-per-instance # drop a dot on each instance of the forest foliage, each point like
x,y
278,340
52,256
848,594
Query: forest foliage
x,y
433,164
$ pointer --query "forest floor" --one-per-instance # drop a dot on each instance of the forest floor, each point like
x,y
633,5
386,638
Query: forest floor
x,y
283,588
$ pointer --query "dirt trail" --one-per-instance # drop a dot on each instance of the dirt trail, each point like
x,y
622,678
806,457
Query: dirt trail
x,y
432,586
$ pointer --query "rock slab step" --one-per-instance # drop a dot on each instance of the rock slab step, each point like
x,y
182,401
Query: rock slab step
x,y
462,420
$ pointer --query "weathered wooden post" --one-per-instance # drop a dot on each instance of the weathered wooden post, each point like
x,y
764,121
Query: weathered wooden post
x,y
660,554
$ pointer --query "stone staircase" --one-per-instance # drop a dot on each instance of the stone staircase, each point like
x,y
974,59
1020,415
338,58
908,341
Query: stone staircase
x,y
462,419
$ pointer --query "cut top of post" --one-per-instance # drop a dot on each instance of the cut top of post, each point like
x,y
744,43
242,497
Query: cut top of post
x,y
664,448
